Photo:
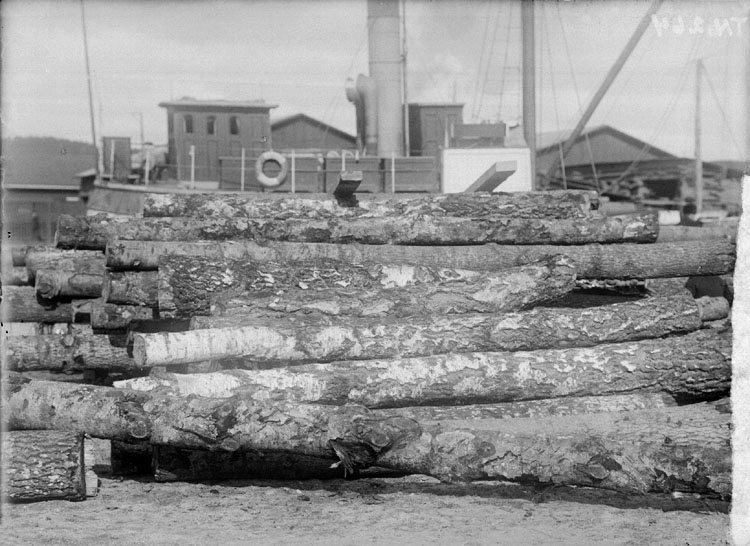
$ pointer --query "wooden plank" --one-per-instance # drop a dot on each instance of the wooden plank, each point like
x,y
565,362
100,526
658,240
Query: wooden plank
x,y
490,179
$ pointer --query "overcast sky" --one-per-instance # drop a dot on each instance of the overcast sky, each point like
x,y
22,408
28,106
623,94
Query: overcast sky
x,y
299,54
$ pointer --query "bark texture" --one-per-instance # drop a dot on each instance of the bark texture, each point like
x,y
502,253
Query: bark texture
x,y
54,283
65,353
132,288
362,339
20,304
698,363
554,204
188,286
664,449
94,232
616,261
43,465
102,412
81,261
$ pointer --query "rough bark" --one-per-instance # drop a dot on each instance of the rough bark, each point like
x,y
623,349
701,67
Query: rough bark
x,y
20,304
110,316
554,204
102,412
65,353
94,232
718,230
188,285
54,283
663,449
81,261
698,363
131,288
617,261
15,276
363,339
43,465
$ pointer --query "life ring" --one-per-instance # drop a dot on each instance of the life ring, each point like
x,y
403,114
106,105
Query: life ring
x,y
266,180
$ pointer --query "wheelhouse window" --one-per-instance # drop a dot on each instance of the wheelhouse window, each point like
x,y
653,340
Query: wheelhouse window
x,y
187,122
211,125
234,125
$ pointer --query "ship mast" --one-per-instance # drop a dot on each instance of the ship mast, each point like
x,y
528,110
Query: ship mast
x,y
91,99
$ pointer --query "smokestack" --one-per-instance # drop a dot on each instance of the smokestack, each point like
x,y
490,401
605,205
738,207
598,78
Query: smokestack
x,y
384,35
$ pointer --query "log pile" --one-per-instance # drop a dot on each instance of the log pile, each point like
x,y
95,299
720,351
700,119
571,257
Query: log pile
x,y
522,337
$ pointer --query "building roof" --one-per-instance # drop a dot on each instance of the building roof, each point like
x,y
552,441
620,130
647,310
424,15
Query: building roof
x,y
549,141
287,120
191,103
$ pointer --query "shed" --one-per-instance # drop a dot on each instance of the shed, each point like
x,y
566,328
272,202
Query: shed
x,y
303,133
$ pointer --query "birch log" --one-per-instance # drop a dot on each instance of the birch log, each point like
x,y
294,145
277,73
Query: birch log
x,y
617,261
663,449
94,232
81,261
362,339
188,286
55,283
131,288
43,465
695,364
553,204
65,353
20,304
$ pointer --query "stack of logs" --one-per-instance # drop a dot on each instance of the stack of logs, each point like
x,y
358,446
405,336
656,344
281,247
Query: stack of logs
x,y
523,337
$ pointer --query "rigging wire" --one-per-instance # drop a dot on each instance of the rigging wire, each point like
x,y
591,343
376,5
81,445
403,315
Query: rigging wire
x,y
667,113
545,30
580,105
505,62
489,57
721,111
481,62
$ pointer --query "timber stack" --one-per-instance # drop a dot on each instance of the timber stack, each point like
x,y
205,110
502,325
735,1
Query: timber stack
x,y
523,337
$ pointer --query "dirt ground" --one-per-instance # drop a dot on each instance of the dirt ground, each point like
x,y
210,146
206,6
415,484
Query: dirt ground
x,y
374,509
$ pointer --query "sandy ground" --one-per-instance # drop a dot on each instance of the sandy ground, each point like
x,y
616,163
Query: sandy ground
x,y
375,509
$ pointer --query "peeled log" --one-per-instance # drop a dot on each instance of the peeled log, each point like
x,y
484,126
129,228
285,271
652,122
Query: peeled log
x,y
621,261
70,352
94,232
362,339
43,465
188,286
101,412
552,204
54,283
82,261
132,288
698,363
20,304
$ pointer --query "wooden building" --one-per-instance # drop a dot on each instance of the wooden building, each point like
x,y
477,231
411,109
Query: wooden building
x,y
216,131
303,134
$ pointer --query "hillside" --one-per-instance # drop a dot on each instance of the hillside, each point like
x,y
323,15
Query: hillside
x,y
44,160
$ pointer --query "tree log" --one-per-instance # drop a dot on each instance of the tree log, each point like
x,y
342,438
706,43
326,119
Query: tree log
x,y
44,465
65,353
20,304
663,449
617,261
717,230
102,412
132,288
53,283
187,287
15,276
94,232
698,363
554,204
81,261
363,339
110,316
